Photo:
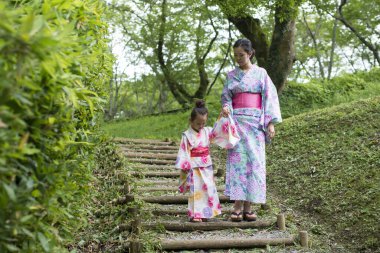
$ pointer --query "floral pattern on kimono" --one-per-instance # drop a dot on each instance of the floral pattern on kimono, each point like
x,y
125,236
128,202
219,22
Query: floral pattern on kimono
x,y
246,171
197,176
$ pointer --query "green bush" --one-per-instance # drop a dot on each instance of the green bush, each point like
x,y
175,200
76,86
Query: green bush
x,y
54,63
302,97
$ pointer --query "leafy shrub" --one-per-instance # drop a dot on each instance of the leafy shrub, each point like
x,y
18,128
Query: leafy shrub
x,y
302,97
54,62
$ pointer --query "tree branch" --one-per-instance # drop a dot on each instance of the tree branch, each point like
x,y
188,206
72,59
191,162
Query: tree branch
x,y
224,60
314,39
357,34
213,39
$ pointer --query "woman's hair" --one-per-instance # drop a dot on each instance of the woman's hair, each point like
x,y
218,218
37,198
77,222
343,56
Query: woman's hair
x,y
200,108
246,45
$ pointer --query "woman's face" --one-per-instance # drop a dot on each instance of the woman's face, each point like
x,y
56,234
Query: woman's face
x,y
241,57
199,122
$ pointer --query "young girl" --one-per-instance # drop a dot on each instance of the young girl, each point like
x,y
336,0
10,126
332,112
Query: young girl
x,y
195,164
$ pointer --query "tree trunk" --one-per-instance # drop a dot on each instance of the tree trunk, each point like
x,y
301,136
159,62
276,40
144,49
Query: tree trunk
x,y
278,59
316,46
282,49
333,44
251,29
179,93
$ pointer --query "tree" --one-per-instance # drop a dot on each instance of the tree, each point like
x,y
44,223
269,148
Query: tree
x,y
361,18
182,53
278,55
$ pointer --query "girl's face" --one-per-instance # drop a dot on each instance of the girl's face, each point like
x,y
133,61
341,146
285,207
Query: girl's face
x,y
199,122
241,56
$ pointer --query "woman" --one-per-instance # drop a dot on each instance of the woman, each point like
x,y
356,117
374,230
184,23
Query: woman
x,y
251,98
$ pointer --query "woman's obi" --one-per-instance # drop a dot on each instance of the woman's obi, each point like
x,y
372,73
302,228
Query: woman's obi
x,y
246,100
248,107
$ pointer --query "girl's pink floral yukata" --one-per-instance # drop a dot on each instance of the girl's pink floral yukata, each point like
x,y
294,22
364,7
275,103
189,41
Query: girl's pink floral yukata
x,y
197,175
246,172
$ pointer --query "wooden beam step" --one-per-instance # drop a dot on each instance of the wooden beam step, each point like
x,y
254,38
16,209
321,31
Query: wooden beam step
x,y
143,141
149,151
160,212
173,188
148,147
151,161
201,226
237,243
153,166
156,174
181,199
159,182
165,200
150,155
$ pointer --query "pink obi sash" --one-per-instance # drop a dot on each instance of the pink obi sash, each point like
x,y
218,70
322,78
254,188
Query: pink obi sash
x,y
199,152
246,100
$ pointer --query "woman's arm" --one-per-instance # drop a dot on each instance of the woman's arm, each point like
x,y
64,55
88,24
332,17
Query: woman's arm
x,y
226,99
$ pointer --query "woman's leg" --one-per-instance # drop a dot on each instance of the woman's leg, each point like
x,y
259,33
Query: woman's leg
x,y
236,215
247,212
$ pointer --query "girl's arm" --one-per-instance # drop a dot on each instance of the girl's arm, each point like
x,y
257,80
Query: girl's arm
x,y
183,161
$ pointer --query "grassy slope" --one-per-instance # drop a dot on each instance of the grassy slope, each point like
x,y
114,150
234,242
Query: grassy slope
x,y
324,163
327,163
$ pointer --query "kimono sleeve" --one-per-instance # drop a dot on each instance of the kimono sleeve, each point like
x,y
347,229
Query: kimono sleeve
x,y
271,105
183,161
226,97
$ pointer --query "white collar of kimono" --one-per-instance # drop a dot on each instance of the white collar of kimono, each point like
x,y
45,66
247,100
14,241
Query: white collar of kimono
x,y
191,135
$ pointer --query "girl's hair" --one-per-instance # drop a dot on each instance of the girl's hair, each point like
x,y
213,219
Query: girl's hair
x,y
200,108
246,45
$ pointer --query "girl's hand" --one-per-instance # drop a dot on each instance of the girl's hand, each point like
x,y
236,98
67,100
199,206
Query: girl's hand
x,y
271,132
225,111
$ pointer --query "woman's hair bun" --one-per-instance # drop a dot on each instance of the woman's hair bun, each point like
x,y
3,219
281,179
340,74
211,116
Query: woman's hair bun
x,y
200,103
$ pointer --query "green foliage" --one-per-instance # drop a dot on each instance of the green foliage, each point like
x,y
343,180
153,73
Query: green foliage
x,y
298,98
326,163
54,62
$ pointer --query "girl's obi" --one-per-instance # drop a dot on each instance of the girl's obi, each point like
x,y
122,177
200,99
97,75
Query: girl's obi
x,y
247,100
199,152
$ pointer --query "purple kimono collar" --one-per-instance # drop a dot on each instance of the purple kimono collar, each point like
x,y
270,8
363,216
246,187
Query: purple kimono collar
x,y
239,74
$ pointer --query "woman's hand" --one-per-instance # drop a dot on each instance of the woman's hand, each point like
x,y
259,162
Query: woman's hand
x,y
225,111
271,132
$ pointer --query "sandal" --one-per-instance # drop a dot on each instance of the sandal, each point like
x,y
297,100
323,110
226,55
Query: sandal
x,y
192,219
237,218
249,216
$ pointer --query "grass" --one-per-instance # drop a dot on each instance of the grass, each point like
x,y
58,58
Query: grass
x,y
326,164
150,127
157,127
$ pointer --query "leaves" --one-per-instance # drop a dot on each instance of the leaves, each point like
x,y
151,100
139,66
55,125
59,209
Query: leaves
x,y
10,191
51,87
